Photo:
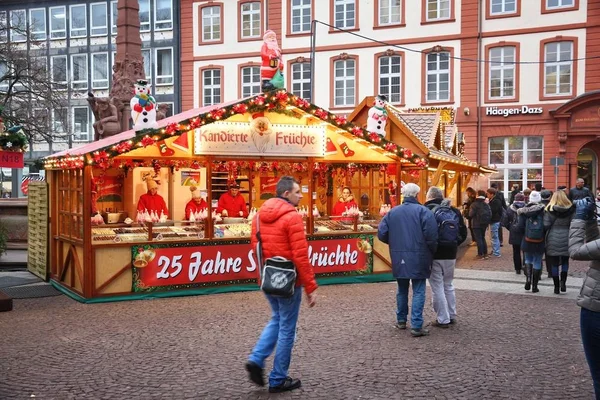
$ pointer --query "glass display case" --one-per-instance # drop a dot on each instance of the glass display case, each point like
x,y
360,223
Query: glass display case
x,y
144,233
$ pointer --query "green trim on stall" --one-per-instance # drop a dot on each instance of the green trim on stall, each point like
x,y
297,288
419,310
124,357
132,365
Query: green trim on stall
x,y
373,278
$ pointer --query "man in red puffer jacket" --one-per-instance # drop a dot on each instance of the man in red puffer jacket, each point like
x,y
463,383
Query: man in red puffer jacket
x,y
282,234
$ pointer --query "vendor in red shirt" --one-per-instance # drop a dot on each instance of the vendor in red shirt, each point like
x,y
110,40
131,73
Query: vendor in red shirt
x,y
152,201
346,201
232,204
196,204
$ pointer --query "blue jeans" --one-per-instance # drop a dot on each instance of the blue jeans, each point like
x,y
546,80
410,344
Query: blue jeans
x,y
280,331
418,302
535,259
480,239
590,336
494,227
558,261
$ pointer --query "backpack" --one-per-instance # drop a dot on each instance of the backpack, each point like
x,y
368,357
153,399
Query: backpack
x,y
486,215
534,228
448,225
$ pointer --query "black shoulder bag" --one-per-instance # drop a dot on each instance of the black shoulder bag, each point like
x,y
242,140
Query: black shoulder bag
x,y
278,274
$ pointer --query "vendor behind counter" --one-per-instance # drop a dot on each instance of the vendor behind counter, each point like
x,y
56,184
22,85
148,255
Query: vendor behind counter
x,y
232,204
151,200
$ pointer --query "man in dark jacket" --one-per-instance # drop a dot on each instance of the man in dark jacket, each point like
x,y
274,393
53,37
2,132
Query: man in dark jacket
x,y
495,204
444,261
412,234
580,191
513,193
471,195
500,194
480,217
515,237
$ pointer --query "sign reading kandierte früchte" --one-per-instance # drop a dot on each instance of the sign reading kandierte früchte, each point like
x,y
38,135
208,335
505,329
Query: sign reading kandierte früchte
x,y
506,112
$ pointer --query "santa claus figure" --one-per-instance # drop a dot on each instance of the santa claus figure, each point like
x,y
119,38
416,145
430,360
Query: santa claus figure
x,y
272,66
261,131
378,116
143,107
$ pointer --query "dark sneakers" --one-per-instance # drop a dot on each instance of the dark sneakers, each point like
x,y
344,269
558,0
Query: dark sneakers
x,y
419,332
255,373
286,386
400,325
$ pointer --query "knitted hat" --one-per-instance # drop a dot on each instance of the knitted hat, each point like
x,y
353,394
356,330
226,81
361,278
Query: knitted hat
x,y
151,183
546,194
519,197
535,197
194,189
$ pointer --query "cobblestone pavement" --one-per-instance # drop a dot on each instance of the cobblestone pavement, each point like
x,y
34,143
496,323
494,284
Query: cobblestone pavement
x,y
503,347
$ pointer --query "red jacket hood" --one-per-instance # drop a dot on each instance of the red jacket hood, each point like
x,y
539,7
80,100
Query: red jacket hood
x,y
275,208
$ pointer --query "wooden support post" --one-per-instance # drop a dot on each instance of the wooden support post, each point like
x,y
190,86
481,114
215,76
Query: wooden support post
x,y
208,222
423,184
88,279
438,173
451,185
311,201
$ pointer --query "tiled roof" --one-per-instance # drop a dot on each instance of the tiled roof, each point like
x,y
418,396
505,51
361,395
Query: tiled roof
x,y
423,125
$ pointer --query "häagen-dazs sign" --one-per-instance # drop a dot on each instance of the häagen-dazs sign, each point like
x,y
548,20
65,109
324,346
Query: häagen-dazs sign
x,y
259,137
506,112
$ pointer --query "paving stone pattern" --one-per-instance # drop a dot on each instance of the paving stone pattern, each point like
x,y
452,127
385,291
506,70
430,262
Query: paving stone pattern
x,y
503,347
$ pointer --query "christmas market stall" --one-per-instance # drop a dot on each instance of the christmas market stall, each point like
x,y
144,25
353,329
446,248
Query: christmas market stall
x,y
166,210
430,133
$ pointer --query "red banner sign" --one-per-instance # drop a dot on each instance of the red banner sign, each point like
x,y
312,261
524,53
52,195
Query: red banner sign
x,y
11,159
170,266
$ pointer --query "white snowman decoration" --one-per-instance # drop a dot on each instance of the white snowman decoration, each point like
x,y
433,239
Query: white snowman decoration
x,y
143,107
378,116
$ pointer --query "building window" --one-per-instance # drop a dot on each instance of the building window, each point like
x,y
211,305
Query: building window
x,y
169,109
518,159
559,3
78,21
58,66
3,24
100,71
18,26
250,81
81,124
147,56
499,7
58,25
438,9
390,78
39,67
163,15
3,72
114,12
345,14
558,68
79,72
502,72
164,66
250,20
59,120
438,77
211,24
390,12
301,79
98,19
301,16
144,15
211,87
37,22
344,83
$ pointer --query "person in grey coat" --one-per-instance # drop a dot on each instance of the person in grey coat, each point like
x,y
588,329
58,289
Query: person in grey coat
x,y
557,219
584,244
411,232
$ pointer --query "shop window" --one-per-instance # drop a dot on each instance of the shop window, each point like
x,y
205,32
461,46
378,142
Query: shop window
x,y
164,67
70,203
98,19
502,7
211,24
100,71
81,124
144,15
3,23
558,68
18,26
79,72
301,79
519,160
438,10
390,12
58,22
147,56
114,14
345,14
502,72
390,78
78,21
250,81
344,82
163,15
37,23
58,66
301,15
438,77
211,87
250,17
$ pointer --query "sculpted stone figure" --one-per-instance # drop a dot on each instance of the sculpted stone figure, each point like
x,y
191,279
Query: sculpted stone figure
x,y
106,116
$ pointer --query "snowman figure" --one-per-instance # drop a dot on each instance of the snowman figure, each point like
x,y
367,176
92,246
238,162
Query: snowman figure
x,y
143,107
378,116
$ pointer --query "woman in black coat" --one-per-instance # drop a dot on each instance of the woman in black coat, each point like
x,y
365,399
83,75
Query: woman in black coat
x,y
480,215
511,222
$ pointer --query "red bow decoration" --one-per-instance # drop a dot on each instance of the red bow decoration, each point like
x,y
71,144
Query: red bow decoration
x,y
172,128
240,108
147,141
